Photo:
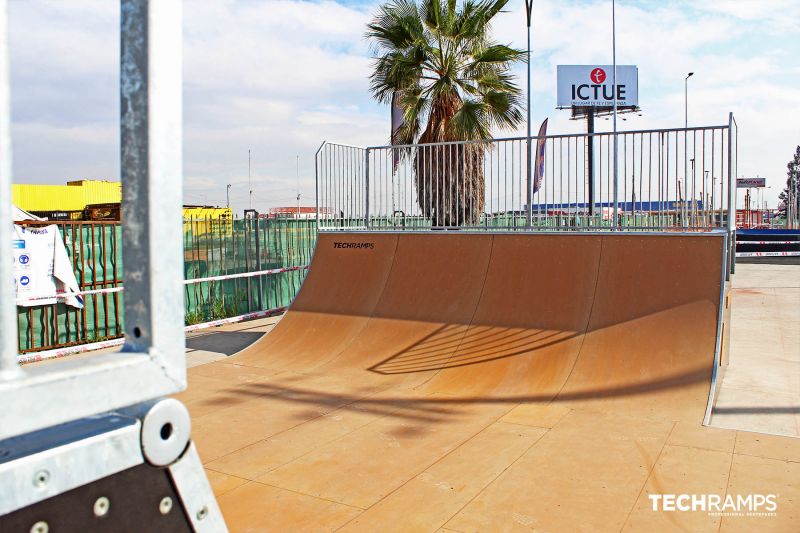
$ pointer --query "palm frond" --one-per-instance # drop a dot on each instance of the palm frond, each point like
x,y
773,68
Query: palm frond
x,y
453,83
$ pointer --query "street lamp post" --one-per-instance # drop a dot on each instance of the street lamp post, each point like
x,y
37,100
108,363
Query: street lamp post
x,y
614,92
529,193
686,145
686,99
228,195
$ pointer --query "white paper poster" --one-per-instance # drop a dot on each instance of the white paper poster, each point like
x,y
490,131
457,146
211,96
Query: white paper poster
x,y
42,270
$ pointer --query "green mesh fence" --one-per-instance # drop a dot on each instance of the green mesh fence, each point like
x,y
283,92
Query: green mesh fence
x,y
215,248
211,248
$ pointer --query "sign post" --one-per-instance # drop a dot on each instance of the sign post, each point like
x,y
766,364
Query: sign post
x,y
590,91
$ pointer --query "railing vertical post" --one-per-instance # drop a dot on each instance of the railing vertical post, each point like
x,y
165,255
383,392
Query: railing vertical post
x,y
731,200
258,265
529,179
152,179
317,164
8,310
366,187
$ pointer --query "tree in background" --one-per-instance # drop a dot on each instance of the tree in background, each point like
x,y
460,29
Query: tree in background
x,y
791,193
447,80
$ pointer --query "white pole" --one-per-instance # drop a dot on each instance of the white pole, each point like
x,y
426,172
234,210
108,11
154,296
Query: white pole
x,y
614,91
529,180
684,211
249,181
8,313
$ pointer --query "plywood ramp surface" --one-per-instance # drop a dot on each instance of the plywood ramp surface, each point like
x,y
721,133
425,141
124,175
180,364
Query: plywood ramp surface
x,y
483,382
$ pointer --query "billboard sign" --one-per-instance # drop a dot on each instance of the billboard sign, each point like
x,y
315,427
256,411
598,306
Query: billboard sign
x,y
591,85
746,183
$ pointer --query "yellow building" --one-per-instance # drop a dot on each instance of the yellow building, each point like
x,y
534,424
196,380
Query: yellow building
x,y
72,197
71,201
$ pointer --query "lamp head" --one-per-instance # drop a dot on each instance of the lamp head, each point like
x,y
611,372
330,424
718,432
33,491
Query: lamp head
x,y
689,75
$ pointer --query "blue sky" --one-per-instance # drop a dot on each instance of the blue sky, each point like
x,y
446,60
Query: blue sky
x,y
279,77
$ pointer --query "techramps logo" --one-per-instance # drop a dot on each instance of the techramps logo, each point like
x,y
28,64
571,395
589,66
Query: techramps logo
x,y
716,505
354,245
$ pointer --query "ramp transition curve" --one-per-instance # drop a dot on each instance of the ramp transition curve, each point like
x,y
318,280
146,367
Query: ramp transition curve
x,y
475,382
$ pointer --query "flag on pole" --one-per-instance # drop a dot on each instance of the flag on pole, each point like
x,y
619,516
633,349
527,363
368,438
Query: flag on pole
x,y
539,165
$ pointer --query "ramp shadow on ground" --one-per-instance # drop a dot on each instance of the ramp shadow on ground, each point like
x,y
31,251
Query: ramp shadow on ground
x,y
227,342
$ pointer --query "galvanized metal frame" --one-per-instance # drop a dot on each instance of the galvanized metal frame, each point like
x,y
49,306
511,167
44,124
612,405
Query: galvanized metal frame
x,y
195,492
152,361
718,342
732,172
55,460
8,312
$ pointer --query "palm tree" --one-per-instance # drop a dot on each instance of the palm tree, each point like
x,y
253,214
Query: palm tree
x,y
437,63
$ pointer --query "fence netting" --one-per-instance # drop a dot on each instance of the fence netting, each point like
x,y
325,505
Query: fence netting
x,y
212,247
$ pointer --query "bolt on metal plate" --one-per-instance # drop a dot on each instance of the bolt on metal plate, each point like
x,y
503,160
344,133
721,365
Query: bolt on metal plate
x,y
40,527
165,506
101,506
41,478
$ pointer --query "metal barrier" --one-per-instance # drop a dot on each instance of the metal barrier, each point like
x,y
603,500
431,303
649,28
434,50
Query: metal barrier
x,y
151,166
666,179
218,254
71,431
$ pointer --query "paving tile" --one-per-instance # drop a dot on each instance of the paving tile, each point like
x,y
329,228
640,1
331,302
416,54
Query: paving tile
x,y
256,508
681,470
222,483
538,415
585,474
695,435
432,497
371,462
770,446
757,475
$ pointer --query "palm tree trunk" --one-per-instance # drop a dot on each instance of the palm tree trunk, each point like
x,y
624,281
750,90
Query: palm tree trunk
x,y
450,179
450,183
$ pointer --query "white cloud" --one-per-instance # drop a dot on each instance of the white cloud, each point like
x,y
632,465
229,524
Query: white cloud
x,y
280,76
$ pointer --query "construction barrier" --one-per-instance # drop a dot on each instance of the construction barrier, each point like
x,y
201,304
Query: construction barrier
x,y
234,267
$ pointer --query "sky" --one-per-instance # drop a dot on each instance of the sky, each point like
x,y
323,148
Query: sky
x,y
279,77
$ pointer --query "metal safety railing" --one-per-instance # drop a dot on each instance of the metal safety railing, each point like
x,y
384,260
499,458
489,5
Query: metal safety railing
x,y
666,179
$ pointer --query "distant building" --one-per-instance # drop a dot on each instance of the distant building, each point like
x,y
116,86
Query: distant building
x,y
91,200
297,212
65,202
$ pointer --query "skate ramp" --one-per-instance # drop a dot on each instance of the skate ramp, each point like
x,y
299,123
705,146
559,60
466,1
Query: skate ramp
x,y
475,382
584,317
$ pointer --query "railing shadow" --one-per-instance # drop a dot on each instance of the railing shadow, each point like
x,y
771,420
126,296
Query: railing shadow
x,y
449,347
